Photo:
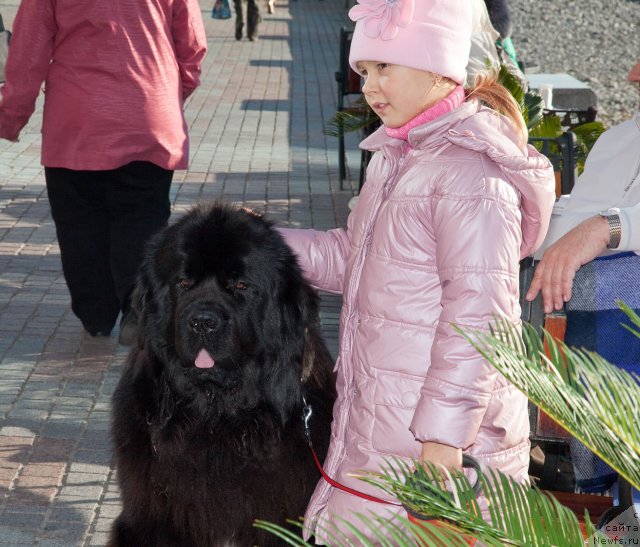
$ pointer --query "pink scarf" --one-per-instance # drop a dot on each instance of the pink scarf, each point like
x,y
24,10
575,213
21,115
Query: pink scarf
x,y
451,101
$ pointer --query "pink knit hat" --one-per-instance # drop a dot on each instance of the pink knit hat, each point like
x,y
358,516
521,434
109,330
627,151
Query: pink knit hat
x,y
432,35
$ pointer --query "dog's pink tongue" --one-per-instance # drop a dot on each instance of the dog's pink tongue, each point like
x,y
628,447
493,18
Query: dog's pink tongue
x,y
204,360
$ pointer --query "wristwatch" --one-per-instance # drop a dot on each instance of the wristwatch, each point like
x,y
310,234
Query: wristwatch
x,y
615,228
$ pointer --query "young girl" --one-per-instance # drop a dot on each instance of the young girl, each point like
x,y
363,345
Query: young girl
x,y
453,199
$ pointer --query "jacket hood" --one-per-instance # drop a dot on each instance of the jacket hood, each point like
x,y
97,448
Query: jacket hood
x,y
482,130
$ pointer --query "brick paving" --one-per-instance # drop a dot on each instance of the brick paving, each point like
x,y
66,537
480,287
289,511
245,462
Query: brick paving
x,y
256,139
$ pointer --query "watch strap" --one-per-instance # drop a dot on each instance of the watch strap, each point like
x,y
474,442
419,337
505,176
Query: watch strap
x,y
615,229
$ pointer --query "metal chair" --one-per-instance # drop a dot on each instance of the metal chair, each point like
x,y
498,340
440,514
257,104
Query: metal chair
x,y
561,151
349,83
544,431
570,118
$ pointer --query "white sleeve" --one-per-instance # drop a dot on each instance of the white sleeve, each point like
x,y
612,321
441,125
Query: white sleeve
x,y
629,221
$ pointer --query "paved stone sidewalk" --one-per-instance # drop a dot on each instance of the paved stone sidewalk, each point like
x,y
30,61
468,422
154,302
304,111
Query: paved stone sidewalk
x,y
256,135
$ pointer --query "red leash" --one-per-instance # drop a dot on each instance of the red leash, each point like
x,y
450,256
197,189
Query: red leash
x,y
307,411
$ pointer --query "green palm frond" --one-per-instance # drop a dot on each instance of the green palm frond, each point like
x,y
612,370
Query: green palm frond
x,y
541,124
358,116
633,317
386,532
530,103
595,401
283,533
588,133
549,125
520,516
586,136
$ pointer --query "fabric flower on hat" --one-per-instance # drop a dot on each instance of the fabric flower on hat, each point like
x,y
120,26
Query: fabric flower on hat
x,y
383,17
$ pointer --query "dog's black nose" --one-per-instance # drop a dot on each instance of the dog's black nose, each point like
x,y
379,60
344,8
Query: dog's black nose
x,y
204,323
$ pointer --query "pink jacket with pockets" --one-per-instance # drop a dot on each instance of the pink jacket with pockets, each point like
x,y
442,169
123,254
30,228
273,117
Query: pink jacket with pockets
x,y
116,74
435,238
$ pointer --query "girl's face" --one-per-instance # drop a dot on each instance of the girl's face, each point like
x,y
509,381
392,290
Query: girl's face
x,y
398,93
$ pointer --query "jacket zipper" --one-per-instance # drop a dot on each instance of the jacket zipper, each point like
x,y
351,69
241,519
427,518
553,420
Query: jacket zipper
x,y
357,270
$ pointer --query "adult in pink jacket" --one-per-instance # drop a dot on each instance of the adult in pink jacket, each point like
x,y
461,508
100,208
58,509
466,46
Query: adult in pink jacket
x,y
116,74
453,199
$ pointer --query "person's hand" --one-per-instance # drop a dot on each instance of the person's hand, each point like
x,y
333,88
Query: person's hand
x,y
443,454
560,262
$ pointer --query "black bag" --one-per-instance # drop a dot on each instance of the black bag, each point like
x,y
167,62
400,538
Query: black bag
x,y
5,37
221,10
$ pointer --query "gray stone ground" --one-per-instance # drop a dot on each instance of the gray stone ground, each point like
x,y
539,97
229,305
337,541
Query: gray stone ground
x,y
597,41
256,135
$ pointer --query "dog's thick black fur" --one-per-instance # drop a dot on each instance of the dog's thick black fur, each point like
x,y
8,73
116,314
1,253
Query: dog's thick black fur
x,y
207,416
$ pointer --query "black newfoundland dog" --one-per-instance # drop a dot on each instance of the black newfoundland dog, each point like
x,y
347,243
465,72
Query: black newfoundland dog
x,y
208,415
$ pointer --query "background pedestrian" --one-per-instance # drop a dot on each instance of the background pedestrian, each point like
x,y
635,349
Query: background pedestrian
x,y
116,76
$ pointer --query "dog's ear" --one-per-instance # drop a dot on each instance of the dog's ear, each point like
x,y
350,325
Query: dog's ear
x,y
303,359
317,363
142,295
139,296
308,357
290,306
142,289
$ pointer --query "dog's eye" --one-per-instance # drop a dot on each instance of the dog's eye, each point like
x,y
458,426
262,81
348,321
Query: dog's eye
x,y
185,284
233,286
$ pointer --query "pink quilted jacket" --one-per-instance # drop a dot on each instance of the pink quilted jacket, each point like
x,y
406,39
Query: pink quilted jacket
x,y
434,239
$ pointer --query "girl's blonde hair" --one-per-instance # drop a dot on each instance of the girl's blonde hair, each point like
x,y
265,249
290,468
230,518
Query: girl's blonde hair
x,y
487,89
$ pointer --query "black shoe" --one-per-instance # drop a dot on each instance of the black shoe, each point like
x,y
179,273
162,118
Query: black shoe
x,y
128,328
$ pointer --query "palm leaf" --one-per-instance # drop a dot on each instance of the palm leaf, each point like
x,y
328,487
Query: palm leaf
x,y
586,136
549,126
633,317
357,117
520,516
283,533
595,401
382,532
588,133
530,103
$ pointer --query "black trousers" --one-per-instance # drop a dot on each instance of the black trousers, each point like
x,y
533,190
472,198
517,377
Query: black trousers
x,y
103,220
253,18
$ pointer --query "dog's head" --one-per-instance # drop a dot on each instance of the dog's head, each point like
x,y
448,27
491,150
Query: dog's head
x,y
223,303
